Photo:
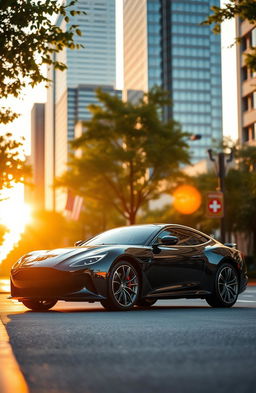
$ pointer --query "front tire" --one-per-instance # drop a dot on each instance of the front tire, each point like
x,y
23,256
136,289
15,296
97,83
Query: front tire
x,y
225,287
123,287
39,305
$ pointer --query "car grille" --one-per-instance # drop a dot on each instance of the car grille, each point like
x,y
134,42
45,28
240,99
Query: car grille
x,y
42,281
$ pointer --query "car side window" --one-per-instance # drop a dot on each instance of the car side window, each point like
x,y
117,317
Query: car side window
x,y
166,232
186,237
170,232
191,238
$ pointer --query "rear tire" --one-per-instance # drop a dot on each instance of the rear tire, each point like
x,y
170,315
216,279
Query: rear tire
x,y
146,303
123,287
226,287
39,305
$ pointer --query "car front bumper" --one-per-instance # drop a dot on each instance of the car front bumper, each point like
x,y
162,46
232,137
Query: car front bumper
x,y
51,283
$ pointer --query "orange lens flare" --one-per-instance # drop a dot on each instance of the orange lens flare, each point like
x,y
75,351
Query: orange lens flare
x,y
186,199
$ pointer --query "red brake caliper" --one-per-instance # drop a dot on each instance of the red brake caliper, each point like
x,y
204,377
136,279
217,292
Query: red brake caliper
x,y
129,283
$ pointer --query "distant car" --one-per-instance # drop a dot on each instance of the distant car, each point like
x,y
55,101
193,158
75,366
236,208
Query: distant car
x,y
133,265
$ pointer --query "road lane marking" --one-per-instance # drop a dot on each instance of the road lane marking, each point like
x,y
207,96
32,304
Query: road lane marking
x,y
11,377
246,301
248,295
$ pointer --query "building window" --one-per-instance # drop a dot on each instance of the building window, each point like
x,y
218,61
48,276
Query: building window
x,y
245,134
254,131
254,100
244,73
253,37
245,104
243,44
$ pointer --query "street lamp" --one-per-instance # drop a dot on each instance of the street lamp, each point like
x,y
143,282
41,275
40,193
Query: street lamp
x,y
221,183
195,137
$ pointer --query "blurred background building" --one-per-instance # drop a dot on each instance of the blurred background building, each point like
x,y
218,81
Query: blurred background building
x,y
246,82
165,45
74,89
36,191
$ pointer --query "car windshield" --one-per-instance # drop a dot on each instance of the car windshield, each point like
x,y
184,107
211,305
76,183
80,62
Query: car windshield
x,y
135,235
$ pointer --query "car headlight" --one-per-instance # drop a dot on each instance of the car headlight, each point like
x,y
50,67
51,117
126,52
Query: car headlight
x,y
88,260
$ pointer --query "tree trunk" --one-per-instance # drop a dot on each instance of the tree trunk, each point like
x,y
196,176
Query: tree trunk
x,y
132,218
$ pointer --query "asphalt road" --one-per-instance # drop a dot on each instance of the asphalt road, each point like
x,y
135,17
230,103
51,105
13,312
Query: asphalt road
x,y
176,346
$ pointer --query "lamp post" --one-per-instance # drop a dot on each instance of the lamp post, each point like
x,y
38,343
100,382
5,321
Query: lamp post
x,y
221,183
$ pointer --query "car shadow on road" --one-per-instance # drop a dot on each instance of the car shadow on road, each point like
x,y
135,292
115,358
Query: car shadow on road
x,y
154,309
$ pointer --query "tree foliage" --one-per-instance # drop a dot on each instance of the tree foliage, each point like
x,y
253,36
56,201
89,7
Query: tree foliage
x,y
12,165
29,38
127,155
3,230
240,199
168,214
241,192
245,10
7,115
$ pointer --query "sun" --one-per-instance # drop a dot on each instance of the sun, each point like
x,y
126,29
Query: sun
x,y
16,217
187,199
15,214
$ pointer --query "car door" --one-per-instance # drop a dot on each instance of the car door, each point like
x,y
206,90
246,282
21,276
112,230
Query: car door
x,y
179,267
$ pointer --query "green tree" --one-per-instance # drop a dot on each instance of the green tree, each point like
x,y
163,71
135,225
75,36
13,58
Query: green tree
x,y
12,167
168,214
241,194
127,155
29,38
240,200
245,10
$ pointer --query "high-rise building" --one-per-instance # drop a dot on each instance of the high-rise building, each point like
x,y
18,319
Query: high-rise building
x,y
246,83
37,155
165,45
74,89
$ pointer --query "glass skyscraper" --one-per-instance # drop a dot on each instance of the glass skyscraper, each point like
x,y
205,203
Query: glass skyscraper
x,y
74,89
165,45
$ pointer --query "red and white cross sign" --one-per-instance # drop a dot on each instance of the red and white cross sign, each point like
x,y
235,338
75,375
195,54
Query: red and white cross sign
x,y
215,207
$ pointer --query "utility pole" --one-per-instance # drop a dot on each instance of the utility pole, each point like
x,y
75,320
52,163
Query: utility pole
x,y
221,184
221,187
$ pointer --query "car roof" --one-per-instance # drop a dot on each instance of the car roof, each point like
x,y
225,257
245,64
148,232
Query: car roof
x,y
166,225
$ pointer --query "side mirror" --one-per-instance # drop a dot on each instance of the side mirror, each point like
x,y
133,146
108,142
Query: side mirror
x,y
78,243
231,245
169,240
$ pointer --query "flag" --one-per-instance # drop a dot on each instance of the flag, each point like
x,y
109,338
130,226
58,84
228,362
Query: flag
x,y
73,206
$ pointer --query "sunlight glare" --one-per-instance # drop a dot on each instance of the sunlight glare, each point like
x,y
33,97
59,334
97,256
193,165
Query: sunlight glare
x,y
15,214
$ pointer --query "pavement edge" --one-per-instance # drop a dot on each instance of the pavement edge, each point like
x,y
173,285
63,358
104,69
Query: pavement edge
x,y
11,377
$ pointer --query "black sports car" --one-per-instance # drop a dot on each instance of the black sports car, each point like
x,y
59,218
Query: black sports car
x,y
133,265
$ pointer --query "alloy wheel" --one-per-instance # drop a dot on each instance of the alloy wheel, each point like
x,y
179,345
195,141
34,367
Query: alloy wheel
x,y
125,285
228,284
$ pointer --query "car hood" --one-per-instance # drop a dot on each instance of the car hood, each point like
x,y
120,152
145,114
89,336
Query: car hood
x,y
51,258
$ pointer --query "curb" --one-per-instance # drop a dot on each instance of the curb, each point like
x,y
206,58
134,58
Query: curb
x,y
251,283
11,377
